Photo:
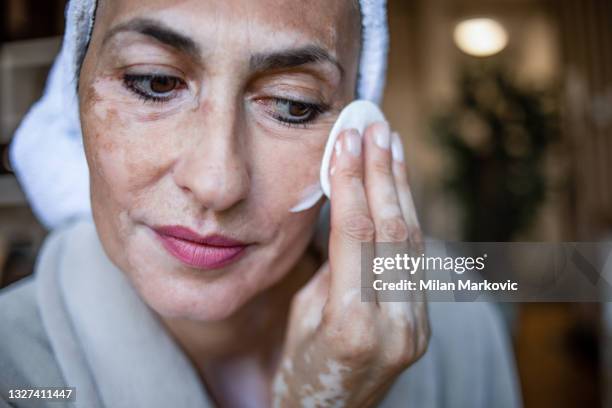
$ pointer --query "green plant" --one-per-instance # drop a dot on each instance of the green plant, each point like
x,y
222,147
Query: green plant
x,y
497,136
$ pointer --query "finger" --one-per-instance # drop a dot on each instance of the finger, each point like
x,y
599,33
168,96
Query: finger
x,y
351,223
391,229
406,233
415,237
380,185
404,192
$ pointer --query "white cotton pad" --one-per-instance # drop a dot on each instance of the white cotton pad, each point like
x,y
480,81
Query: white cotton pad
x,y
356,115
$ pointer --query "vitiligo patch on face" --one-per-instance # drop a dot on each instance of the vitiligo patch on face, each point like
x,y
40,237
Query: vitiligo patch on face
x,y
357,115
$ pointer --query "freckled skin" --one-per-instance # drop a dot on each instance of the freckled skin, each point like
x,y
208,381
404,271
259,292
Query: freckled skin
x,y
214,158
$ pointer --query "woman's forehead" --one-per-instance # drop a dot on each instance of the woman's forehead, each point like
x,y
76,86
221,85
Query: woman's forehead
x,y
330,23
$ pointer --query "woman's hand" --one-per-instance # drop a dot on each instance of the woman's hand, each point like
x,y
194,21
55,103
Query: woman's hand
x,y
340,351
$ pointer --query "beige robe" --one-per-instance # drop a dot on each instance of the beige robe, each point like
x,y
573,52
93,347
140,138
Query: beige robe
x,y
78,322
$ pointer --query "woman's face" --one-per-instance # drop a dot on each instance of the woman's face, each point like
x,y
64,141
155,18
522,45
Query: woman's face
x,y
204,123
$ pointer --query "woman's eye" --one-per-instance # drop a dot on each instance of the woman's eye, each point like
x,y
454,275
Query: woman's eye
x,y
158,88
294,112
163,84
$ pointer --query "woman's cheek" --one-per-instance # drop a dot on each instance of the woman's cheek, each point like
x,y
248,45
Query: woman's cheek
x,y
125,157
109,166
288,171
129,144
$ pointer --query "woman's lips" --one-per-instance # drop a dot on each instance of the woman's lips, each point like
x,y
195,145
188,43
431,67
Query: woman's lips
x,y
202,252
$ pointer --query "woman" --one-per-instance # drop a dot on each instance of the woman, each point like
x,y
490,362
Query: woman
x,y
204,123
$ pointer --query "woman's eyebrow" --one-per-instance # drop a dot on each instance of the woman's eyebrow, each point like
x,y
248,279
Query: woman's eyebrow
x,y
158,31
291,58
283,59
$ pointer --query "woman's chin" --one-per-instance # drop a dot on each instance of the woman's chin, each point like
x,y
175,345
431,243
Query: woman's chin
x,y
208,305
174,289
215,313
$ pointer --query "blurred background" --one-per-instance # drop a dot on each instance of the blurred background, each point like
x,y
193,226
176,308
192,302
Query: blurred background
x,y
505,107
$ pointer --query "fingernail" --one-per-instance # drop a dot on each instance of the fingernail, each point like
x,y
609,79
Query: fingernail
x,y
397,148
353,142
381,135
338,147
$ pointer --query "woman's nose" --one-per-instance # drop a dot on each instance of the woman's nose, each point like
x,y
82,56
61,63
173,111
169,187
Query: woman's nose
x,y
214,171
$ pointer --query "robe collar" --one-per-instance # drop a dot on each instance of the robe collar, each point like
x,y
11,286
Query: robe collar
x,y
108,342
